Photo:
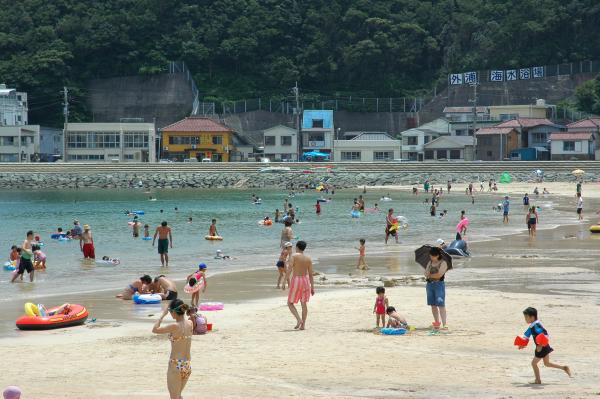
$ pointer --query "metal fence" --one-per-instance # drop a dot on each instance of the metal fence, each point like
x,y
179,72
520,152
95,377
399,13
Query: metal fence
x,y
181,67
354,104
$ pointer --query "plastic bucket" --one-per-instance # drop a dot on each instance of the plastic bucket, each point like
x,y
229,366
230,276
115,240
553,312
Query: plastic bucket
x,y
208,326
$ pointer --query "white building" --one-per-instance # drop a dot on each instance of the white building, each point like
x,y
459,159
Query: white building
x,y
19,143
452,148
367,147
414,140
110,142
280,143
13,107
566,146
51,143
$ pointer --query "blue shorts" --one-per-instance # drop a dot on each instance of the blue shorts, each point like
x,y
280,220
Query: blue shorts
x,y
505,213
436,293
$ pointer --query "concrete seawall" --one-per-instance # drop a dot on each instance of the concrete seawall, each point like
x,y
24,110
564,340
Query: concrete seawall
x,y
246,175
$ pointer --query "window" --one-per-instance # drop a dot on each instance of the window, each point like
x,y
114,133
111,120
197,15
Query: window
x,y
454,154
217,139
135,140
568,146
93,140
128,156
286,140
461,132
539,138
383,155
25,140
350,155
317,123
86,157
489,153
269,140
184,140
426,139
9,158
442,154
7,140
508,117
412,140
428,154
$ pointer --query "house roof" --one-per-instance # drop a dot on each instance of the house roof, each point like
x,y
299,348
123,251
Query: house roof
x,y
279,127
494,130
464,110
561,136
589,122
527,122
196,124
438,126
450,142
373,136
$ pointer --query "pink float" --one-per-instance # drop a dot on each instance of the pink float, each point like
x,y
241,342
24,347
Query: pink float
x,y
211,306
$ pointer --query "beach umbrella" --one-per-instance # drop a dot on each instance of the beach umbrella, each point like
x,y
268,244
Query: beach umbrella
x,y
422,256
578,172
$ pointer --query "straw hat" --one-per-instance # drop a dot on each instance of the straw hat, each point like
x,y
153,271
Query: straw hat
x,y
86,226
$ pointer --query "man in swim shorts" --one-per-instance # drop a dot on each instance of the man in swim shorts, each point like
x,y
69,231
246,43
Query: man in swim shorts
x,y
86,243
166,288
301,283
165,240
26,263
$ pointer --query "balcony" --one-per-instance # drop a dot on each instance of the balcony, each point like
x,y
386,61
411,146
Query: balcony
x,y
314,144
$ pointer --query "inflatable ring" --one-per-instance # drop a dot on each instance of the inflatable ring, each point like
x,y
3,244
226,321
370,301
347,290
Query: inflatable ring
x,y
213,238
138,212
31,309
211,306
265,222
595,229
10,266
355,214
147,299
192,290
56,236
146,238
393,331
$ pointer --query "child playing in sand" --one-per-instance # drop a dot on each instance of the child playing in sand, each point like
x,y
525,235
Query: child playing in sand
x,y
362,264
395,319
146,231
39,258
196,282
198,320
381,304
540,340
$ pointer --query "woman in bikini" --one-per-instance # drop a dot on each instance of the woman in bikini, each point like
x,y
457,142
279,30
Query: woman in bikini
x,y
138,286
180,335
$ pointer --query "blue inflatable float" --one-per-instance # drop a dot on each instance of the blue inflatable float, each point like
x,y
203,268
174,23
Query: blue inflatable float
x,y
393,331
147,299
56,236
146,238
355,214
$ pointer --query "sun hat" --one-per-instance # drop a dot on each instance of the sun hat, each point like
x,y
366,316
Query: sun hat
x,y
86,226
440,241
12,392
288,244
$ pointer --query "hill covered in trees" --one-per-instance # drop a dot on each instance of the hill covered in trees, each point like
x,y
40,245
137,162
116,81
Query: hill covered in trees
x,y
246,48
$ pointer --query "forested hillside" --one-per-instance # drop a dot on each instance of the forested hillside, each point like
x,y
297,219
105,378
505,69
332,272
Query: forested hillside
x,y
246,48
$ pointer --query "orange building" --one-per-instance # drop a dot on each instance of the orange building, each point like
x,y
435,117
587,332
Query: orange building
x,y
197,137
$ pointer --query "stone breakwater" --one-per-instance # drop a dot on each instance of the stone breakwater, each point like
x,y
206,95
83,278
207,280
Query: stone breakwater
x,y
250,180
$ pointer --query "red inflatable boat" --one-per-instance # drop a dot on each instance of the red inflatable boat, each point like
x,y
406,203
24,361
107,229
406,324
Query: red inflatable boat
x,y
76,315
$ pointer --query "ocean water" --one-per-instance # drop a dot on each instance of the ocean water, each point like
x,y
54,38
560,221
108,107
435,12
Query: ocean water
x,y
334,232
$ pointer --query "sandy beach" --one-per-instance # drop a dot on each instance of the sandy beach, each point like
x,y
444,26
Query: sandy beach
x,y
254,352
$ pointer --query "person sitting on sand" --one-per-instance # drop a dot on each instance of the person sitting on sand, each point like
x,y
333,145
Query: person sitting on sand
x,y
441,244
198,320
395,319
180,335
141,286
166,288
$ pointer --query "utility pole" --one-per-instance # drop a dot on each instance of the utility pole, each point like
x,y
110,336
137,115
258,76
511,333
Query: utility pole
x,y
474,101
296,92
66,115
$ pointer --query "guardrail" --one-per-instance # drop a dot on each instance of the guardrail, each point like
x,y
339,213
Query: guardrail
x,y
301,167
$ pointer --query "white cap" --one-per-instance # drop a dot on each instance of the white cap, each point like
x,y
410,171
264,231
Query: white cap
x,y
288,244
440,241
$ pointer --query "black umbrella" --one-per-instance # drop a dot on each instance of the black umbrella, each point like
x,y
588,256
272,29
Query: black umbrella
x,y
422,256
